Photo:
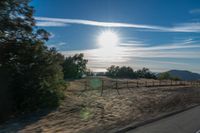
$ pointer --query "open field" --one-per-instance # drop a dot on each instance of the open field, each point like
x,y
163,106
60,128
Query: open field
x,y
89,112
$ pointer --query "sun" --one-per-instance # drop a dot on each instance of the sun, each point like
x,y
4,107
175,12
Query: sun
x,y
108,39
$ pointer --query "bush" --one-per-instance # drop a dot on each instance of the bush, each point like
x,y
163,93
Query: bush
x,y
75,66
128,72
167,76
145,73
34,72
36,78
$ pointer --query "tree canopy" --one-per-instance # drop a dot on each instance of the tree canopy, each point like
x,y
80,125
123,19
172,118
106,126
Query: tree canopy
x,y
128,72
120,72
75,66
34,71
145,73
167,76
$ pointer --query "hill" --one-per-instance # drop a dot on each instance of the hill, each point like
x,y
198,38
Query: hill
x,y
185,75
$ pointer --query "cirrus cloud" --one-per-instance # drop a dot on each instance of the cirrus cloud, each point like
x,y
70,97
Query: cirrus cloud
x,y
60,22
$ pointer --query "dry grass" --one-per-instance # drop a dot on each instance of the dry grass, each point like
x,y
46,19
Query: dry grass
x,y
90,112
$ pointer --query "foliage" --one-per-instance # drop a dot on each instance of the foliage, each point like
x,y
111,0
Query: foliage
x,y
34,71
145,73
74,66
128,72
120,72
112,71
164,75
89,72
167,76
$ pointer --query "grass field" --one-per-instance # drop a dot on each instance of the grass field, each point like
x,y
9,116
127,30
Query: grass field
x,y
89,112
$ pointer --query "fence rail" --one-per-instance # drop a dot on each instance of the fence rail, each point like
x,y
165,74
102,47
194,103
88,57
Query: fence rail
x,y
128,84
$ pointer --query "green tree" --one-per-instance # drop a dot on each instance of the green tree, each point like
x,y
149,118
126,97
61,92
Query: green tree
x,y
167,76
128,72
75,66
34,71
89,72
112,71
125,72
120,72
164,75
145,73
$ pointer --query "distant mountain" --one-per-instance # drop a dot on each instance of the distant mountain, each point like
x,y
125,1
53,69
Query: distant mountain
x,y
185,75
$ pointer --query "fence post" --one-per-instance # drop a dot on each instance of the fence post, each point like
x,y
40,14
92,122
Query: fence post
x,y
145,83
117,87
85,84
128,87
137,84
102,87
171,82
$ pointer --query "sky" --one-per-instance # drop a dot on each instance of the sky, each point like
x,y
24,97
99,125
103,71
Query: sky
x,y
157,34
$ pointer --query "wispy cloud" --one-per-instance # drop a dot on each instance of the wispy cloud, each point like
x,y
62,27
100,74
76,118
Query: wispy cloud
x,y
195,11
184,27
187,27
96,23
139,55
50,24
163,62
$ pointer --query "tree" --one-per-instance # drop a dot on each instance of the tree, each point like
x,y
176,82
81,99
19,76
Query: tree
x,y
164,75
120,72
145,73
74,66
112,71
125,72
34,71
167,76
128,72
89,72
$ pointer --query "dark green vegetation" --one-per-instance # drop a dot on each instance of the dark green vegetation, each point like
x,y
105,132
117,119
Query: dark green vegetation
x,y
128,72
75,66
31,74
168,76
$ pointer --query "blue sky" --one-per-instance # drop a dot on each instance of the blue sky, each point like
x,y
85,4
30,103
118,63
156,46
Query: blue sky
x,y
158,34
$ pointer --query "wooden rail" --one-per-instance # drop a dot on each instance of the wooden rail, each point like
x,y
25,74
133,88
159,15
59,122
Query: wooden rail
x,y
128,84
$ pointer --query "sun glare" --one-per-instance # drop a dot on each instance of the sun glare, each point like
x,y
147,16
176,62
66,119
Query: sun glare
x,y
108,39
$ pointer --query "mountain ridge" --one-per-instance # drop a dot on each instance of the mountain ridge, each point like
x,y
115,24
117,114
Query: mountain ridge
x,y
184,74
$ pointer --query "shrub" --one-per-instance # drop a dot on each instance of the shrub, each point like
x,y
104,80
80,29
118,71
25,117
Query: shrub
x,y
74,66
34,71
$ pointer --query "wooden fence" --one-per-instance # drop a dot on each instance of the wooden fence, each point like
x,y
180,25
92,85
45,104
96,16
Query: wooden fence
x,y
128,84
